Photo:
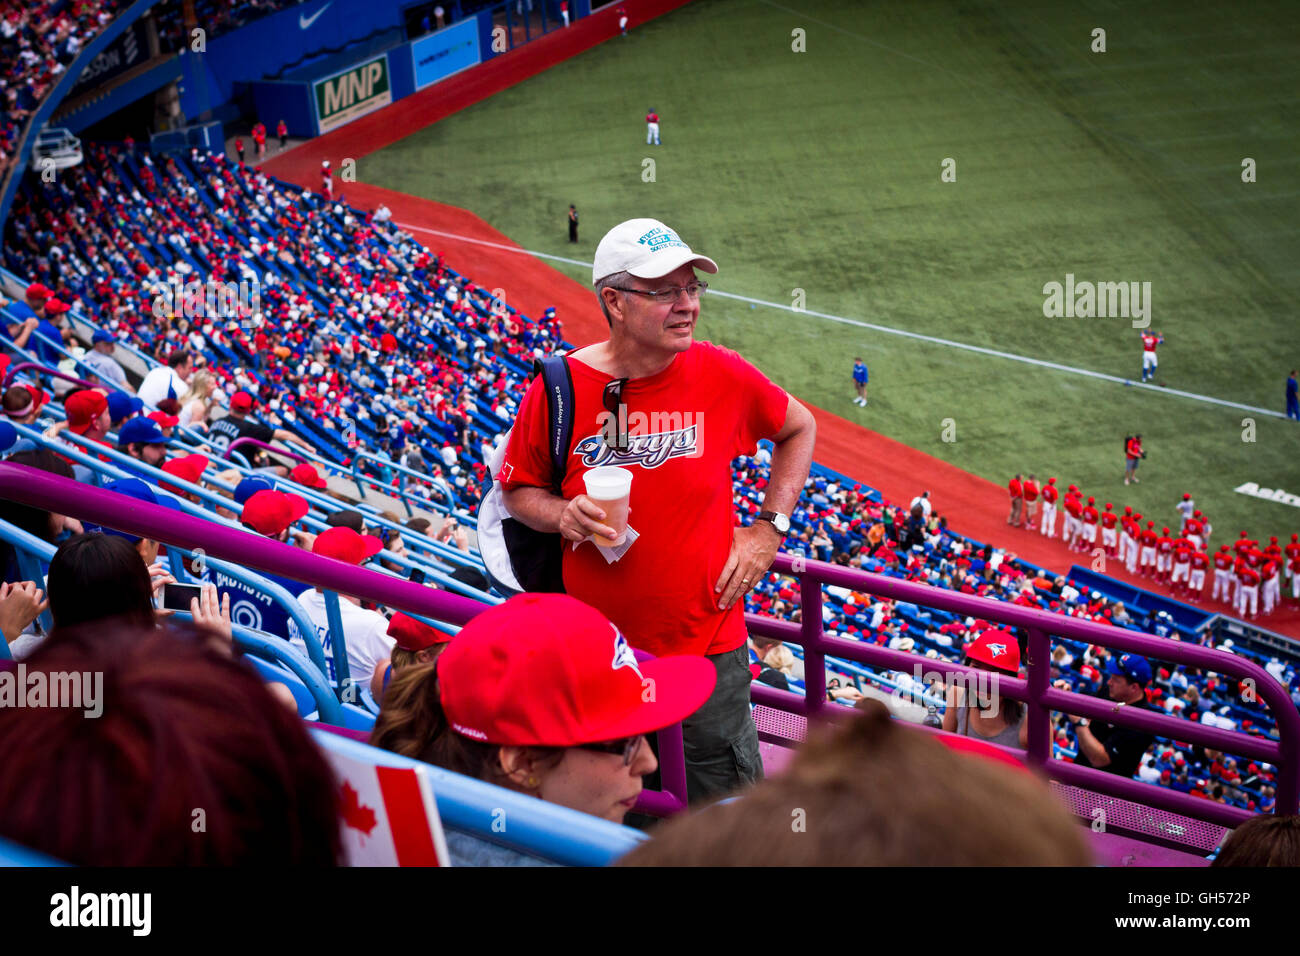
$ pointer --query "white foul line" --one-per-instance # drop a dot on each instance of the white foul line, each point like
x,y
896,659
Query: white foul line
x,y
933,340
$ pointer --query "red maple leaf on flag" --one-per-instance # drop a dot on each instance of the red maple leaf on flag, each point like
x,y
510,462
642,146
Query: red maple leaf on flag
x,y
356,814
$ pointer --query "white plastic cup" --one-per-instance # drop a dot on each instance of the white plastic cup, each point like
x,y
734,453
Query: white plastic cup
x,y
611,488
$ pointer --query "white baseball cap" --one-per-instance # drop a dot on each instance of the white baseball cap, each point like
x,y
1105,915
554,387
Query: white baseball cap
x,y
647,249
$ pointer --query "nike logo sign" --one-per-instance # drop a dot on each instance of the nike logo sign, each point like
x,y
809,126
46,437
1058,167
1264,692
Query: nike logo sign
x,y
305,22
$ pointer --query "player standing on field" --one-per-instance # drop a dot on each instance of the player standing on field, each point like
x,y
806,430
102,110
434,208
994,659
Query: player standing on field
x,y
652,128
1050,494
1149,342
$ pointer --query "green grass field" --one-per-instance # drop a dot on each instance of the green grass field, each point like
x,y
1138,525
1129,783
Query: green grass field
x,y
821,170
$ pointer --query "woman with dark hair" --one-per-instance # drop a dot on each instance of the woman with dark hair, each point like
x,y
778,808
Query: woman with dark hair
x,y
96,576
1264,840
187,762
541,695
979,711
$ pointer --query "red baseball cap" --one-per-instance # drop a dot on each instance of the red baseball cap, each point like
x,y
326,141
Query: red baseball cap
x,y
343,543
38,291
83,409
165,421
412,635
997,649
241,402
546,670
55,307
306,474
188,468
270,512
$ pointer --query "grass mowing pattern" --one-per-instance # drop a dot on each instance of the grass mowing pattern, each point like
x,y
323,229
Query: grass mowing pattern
x,y
820,171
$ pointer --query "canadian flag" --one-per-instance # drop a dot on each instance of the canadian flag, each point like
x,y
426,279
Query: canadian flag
x,y
388,814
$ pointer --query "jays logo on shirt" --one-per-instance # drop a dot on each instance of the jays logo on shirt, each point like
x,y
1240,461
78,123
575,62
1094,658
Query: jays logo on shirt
x,y
648,451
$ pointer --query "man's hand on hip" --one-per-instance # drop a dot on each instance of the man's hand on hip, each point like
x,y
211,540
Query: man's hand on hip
x,y
752,551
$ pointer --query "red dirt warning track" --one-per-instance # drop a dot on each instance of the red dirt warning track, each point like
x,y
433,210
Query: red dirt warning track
x,y
976,507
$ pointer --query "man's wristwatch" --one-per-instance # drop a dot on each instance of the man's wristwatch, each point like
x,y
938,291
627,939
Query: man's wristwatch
x,y
777,520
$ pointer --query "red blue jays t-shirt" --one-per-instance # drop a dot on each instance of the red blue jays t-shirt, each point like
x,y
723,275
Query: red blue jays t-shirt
x,y
685,426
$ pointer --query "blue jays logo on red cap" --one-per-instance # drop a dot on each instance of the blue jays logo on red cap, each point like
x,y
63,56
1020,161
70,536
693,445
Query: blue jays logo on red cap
x,y
624,656
998,649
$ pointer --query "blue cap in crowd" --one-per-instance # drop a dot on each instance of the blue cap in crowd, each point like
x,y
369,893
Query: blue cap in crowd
x,y
251,486
102,335
137,489
122,405
1132,666
141,431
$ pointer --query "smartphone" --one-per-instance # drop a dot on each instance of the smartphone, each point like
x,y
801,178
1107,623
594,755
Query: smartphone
x,y
177,596
417,576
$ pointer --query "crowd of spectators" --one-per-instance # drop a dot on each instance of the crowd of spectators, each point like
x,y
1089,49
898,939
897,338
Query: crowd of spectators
x,y
38,41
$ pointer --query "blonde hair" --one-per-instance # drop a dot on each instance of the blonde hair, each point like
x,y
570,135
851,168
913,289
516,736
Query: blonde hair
x,y
199,383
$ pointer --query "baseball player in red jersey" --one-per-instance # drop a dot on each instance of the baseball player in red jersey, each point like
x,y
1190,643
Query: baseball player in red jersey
x,y
1223,576
1294,566
1164,555
1247,590
1017,501
1108,533
1050,494
326,180
1132,455
1134,548
1183,552
1200,561
1088,518
1292,551
1030,488
1196,530
1270,577
1127,535
1149,538
652,128
1073,506
1149,342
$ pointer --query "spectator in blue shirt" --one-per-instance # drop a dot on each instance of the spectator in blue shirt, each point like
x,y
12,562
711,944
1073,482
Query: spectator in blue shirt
x,y
860,378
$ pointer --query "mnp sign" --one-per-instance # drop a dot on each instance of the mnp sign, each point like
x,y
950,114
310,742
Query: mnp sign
x,y
356,91
448,51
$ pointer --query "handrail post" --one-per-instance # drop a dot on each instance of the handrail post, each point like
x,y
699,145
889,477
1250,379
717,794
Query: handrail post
x,y
1040,717
814,656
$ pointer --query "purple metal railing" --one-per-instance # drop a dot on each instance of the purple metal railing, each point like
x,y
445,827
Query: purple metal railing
x,y
1036,691
12,372
41,489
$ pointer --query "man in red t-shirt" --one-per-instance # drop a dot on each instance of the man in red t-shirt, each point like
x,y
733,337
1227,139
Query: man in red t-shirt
x,y
1133,453
1017,500
691,407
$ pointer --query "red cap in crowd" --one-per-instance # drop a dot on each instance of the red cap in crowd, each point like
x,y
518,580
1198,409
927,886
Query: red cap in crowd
x,y
38,399
306,474
412,635
188,468
83,409
998,649
344,544
241,402
270,512
546,670
55,307
38,291
164,420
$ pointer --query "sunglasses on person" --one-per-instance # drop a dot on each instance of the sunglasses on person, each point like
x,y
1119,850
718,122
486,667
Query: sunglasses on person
x,y
627,746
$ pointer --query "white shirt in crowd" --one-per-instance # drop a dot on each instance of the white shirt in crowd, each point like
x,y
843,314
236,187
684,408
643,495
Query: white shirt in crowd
x,y
154,387
923,501
366,634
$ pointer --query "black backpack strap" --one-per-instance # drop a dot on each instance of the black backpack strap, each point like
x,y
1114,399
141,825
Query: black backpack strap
x,y
558,382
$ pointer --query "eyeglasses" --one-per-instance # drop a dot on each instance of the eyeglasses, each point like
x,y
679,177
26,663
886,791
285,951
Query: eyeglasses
x,y
664,296
627,746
